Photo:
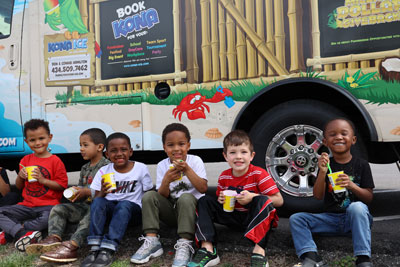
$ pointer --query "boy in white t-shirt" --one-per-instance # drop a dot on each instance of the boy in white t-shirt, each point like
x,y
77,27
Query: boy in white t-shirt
x,y
181,181
118,205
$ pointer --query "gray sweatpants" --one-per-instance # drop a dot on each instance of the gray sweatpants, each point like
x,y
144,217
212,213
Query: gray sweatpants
x,y
15,217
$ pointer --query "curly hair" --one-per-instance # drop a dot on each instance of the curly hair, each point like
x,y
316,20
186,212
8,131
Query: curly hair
x,y
35,124
175,127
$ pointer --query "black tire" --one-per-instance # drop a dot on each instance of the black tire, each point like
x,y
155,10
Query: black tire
x,y
303,112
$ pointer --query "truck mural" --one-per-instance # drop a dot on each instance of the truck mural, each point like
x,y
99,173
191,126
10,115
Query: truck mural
x,y
277,69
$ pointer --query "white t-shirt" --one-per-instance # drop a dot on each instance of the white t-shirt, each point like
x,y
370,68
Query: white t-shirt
x,y
177,188
130,186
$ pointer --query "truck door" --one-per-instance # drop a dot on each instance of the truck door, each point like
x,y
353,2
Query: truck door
x,y
11,20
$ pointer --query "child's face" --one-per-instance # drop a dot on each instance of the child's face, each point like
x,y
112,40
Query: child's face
x,y
38,140
339,136
239,158
89,150
176,145
119,152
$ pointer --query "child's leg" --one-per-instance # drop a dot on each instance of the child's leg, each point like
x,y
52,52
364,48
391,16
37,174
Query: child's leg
x,y
40,222
100,209
12,216
123,211
154,208
186,209
82,231
303,224
359,221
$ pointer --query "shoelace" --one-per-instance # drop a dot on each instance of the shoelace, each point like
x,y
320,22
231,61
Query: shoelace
x,y
181,248
145,245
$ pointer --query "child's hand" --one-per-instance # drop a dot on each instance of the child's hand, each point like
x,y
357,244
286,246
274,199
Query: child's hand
x,y
172,175
245,197
81,193
38,176
323,161
105,186
221,197
180,165
343,180
23,174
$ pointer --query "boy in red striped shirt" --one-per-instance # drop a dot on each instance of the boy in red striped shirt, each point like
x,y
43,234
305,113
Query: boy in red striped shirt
x,y
256,199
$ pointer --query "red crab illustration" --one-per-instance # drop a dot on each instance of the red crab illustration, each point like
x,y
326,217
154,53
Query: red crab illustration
x,y
194,106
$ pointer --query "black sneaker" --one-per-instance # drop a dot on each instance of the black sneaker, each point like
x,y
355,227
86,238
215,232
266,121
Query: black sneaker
x,y
204,258
258,260
307,262
104,258
89,260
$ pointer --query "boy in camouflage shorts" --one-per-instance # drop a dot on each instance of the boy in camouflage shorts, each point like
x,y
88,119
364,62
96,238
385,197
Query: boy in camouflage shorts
x,y
92,142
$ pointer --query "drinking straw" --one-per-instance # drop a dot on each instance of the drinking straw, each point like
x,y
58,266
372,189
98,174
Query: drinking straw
x,y
21,165
329,168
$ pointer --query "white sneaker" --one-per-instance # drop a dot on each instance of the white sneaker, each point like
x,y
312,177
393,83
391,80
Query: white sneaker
x,y
30,237
184,251
151,248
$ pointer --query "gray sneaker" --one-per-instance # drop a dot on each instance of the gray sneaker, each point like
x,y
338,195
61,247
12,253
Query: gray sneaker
x,y
184,251
151,248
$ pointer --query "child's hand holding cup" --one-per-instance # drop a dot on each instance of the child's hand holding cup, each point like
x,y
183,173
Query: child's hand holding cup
x,y
333,179
229,204
30,170
110,179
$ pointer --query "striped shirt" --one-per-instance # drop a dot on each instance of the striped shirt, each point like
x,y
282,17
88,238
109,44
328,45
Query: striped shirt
x,y
256,180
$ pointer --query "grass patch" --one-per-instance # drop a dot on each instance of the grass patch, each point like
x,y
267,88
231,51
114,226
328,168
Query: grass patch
x,y
379,92
17,259
347,261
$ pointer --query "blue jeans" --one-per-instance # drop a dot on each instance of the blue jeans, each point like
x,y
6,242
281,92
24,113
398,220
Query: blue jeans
x,y
118,213
356,220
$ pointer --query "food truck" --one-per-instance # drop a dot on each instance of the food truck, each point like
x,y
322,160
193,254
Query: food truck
x,y
278,69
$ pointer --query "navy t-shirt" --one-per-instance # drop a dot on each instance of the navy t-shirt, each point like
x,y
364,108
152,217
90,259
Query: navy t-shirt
x,y
359,172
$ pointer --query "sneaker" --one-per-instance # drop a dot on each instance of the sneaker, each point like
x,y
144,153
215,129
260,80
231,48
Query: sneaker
x,y
30,237
89,260
258,260
365,264
50,243
104,258
184,251
3,240
151,248
204,258
66,252
307,262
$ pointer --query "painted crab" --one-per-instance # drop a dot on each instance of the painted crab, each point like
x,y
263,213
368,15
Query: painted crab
x,y
194,104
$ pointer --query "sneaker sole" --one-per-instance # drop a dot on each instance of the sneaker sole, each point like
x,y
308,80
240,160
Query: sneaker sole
x,y
24,242
45,258
156,254
34,249
213,262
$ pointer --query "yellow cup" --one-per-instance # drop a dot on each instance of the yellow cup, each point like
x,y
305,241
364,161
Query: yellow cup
x,y
229,204
332,178
172,166
70,193
29,170
110,179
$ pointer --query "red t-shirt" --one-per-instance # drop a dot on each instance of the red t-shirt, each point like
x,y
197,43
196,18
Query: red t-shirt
x,y
35,194
256,180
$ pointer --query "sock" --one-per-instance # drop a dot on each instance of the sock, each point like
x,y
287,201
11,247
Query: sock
x,y
311,255
362,258
20,233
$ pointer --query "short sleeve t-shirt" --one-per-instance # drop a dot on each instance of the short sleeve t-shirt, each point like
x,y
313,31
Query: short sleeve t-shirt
x,y
130,186
256,180
35,194
359,172
88,172
177,188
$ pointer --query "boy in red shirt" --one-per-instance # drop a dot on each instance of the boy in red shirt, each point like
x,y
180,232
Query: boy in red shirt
x,y
254,211
25,220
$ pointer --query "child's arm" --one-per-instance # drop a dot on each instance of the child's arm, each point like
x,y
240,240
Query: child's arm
x,y
46,182
363,194
104,189
4,187
320,184
81,193
170,176
199,183
245,197
21,177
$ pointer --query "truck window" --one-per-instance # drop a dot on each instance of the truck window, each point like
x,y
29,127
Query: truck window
x,y
6,10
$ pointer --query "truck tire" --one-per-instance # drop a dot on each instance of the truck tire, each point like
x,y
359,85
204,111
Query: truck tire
x,y
288,141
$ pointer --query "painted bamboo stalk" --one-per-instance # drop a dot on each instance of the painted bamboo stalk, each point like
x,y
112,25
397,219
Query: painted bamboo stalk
x,y
97,38
222,42
214,40
139,79
129,86
315,33
279,32
295,32
231,42
177,39
83,9
113,88
170,83
145,85
196,68
365,64
91,18
261,33
205,39
189,42
328,67
103,88
154,83
251,52
137,86
85,90
340,66
257,41
270,32
241,43
353,65
121,87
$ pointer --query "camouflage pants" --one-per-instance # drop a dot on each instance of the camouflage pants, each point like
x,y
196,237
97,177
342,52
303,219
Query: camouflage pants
x,y
70,213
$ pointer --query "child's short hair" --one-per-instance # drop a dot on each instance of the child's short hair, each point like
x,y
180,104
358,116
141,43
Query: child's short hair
x,y
118,135
35,124
340,119
97,135
237,138
175,127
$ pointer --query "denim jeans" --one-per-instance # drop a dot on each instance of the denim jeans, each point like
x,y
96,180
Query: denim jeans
x,y
356,220
118,213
